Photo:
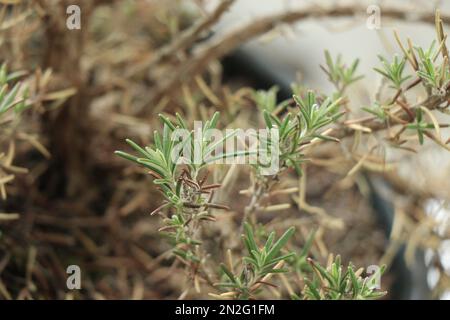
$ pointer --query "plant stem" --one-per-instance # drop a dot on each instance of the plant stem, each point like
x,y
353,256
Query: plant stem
x,y
260,188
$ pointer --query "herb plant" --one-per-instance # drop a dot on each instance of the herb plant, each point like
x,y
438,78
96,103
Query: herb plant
x,y
150,73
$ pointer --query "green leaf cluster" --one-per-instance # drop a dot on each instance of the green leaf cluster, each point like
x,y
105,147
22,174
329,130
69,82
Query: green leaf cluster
x,y
259,262
393,71
336,283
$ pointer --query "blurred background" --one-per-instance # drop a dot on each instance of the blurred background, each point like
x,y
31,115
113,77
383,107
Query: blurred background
x,y
75,203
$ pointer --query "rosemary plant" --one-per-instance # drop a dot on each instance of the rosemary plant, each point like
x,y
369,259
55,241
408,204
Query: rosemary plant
x,y
189,199
12,102
393,71
335,283
259,265
302,124
303,121
339,74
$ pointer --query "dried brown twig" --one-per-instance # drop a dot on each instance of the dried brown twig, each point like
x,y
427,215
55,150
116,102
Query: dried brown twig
x,y
183,40
219,47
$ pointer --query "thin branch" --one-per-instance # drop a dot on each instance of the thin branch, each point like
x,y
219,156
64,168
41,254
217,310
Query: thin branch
x,y
185,39
218,48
